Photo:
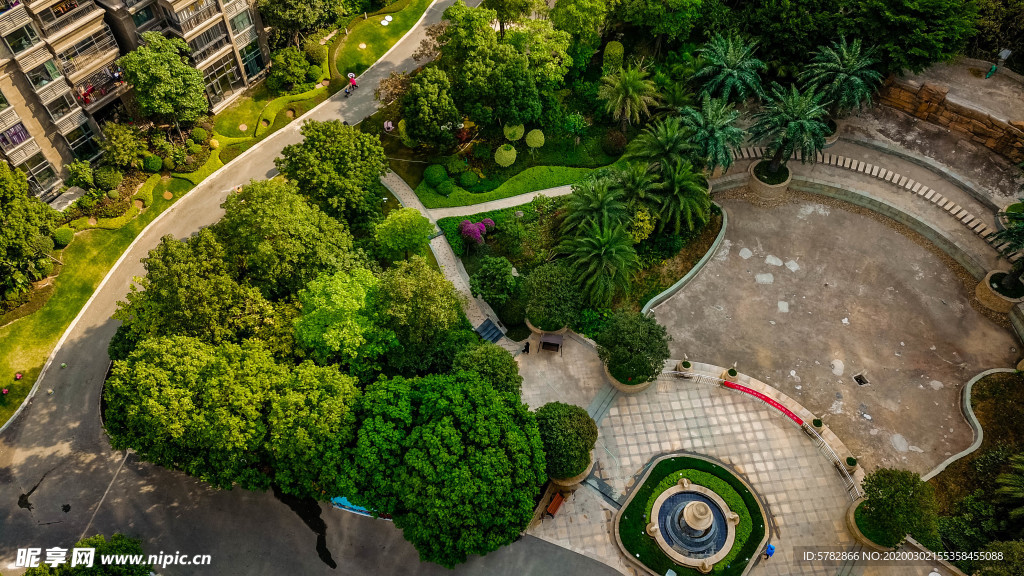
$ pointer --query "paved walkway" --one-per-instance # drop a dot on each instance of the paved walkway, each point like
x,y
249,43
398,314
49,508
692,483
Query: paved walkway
x,y
438,213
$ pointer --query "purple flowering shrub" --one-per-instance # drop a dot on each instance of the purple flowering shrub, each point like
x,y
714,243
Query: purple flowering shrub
x,y
475,231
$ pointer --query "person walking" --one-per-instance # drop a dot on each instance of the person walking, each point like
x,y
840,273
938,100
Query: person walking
x,y
769,551
346,92
352,81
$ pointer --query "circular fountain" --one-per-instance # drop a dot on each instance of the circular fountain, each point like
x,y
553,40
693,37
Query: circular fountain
x,y
693,525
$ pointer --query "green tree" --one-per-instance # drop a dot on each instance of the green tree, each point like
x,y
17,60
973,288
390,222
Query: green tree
x,y
899,503
288,68
123,145
575,125
1010,564
552,300
507,11
661,143
913,34
672,19
494,364
1011,487
791,120
338,167
80,174
583,19
24,220
1012,235
730,68
277,241
844,76
546,49
788,31
494,281
714,132
1000,25
457,464
568,434
633,347
593,200
636,182
404,232
119,544
682,197
603,261
166,84
294,16
628,95
428,109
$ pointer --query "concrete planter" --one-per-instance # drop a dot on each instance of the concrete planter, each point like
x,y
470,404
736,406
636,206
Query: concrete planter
x,y
994,300
570,482
831,140
627,388
851,525
1001,220
536,330
767,191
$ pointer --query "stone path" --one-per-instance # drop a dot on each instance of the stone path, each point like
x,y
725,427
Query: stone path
x,y
438,213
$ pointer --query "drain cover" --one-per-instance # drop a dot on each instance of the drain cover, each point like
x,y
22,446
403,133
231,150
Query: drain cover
x,y
861,379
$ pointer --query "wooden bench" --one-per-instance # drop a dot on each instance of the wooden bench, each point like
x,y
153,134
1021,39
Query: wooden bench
x,y
556,503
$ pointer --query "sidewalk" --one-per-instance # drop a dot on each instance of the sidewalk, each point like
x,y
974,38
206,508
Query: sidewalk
x,y
438,213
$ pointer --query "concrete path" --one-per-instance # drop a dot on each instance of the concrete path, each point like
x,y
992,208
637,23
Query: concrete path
x,y
438,213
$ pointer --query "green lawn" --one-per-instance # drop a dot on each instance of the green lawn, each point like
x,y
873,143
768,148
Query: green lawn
x,y
246,110
529,180
378,39
28,342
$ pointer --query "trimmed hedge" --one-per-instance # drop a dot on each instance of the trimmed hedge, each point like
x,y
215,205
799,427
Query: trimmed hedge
x,y
145,192
514,133
63,236
446,188
199,135
106,223
467,179
535,138
505,155
569,434
613,57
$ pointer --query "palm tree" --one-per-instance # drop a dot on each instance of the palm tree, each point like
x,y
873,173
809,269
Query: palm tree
x,y
593,200
1011,486
628,94
714,131
603,261
1013,236
844,75
682,197
791,120
662,142
636,183
730,68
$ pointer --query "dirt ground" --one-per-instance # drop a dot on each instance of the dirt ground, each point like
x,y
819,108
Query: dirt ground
x,y
807,295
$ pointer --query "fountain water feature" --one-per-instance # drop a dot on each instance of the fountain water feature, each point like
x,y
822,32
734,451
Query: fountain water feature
x,y
693,525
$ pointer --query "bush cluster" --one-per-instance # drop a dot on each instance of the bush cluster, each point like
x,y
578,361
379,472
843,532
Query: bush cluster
x,y
152,163
108,178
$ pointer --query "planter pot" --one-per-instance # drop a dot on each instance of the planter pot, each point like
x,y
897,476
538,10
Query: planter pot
x,y
850,469
727,377
627,388
994,300
767,191
536,330
831,140
851,525
569,482
1001,219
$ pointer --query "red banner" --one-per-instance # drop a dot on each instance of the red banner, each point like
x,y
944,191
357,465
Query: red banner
x,y
765,399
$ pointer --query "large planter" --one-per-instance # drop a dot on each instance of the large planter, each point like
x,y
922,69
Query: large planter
x,y
766,191
627,388
851,525
570,482
1001,220
536,330
994,300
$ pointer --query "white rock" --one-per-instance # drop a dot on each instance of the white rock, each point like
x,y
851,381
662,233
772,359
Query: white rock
x,y
773,260
745,253
837,367
764,278
783,307
846,321
792,265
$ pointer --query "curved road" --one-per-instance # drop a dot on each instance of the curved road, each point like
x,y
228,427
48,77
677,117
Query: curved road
x,y
60,479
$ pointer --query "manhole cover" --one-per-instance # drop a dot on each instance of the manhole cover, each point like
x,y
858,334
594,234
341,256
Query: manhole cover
x,y
861,379
362,45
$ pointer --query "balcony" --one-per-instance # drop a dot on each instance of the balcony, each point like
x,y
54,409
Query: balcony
x,y
23,151
84,11
8,117
33,57
191,22
234,7
71,121
13,19
245,37
101,52
99,88
52,89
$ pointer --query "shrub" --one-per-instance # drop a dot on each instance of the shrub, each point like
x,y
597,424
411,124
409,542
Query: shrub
x,y
515,132
467,179
898,503
505,155
552,300
44,267
113,195
568,434
434,175
214,144
86,202
851,461
613,57
315,52
633,347
481,152
493,281
199,135
63,236
535,139
475,231
108,178
591,322
194,149
288,68
455,165
80,174
495,364
168,163
446,188
614,143
313,73
816,422
152,163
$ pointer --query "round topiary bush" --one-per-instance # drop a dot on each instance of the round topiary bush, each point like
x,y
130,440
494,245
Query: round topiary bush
x,y
214,144
505,155
152,163
455,165
199,135
633,347
107,178
434,175
568,434
552,298
514,133
816,422
313,73
168,163
194,149
614,143
113,195
535,138
63,236
614,52
851,461
467,179
445,188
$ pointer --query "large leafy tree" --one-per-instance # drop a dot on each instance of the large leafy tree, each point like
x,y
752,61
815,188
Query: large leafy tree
x,y
123,145
730,68
682,198
24,221
593,200
788,31
428,109
628,94
913,34
295,16
118,544
569,434
714,132
661,143
791,120
457,464
494,364
508,11
404,232
546,49
583,19
166,84
338,167
603,261
634,347
672,19
899,503
494,280
844,75
277,241
552,299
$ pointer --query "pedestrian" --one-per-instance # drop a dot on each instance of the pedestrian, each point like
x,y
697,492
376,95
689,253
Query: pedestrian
x,y
346,92
352,81
769,551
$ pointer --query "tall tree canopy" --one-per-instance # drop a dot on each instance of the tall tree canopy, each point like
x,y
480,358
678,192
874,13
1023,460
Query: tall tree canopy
x,y
429,110
119,544
672,19
457,464
913,34
166,84
583,19
404,232
294,16
24,221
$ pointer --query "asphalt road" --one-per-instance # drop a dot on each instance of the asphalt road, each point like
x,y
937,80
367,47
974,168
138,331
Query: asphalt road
x,y
60,479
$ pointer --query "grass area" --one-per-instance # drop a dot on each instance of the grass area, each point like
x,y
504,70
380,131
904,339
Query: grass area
x,y
378,39
633,522
28,341
529,180
865,527
246,110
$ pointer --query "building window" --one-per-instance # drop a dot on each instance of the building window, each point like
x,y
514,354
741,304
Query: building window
x,y
252,59
83,142
43,74
241,22
208,42
142,16
40,173
59,9
194,15
22,39
13,137
222,78
4,104
61,106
